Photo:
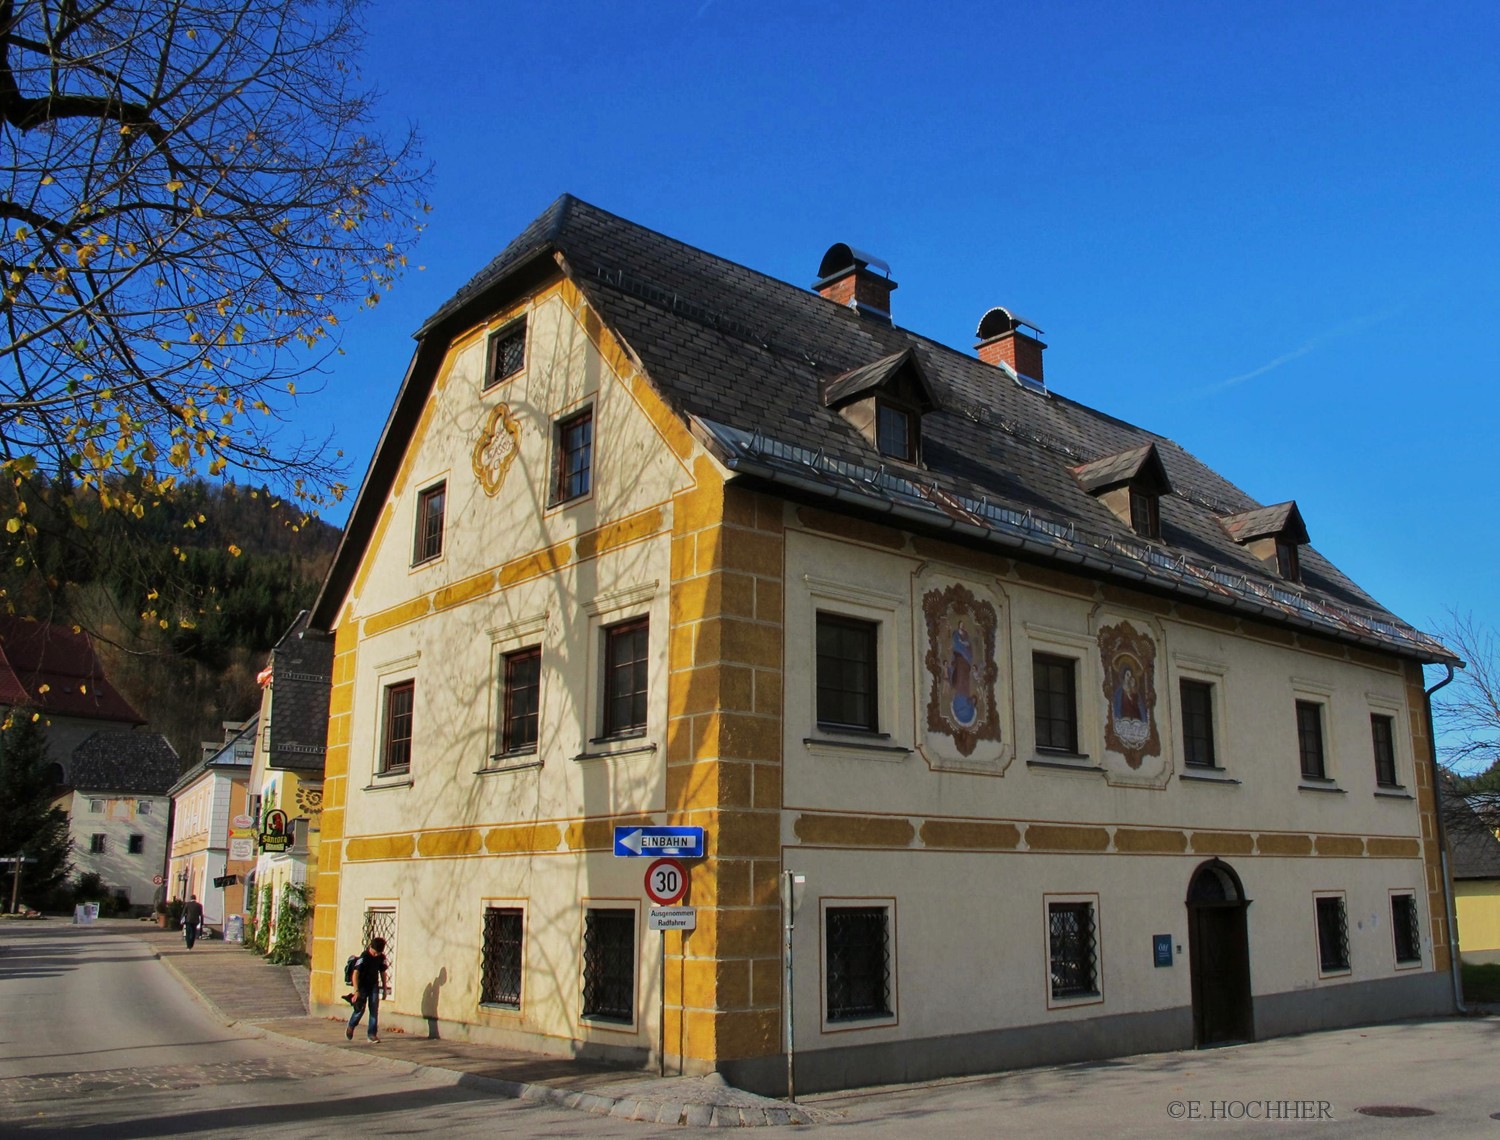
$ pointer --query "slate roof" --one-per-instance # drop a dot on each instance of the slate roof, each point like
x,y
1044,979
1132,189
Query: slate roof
x,y
744,358
1283,518
54,670
1113,470
233,755
1473,849
135,763
301,674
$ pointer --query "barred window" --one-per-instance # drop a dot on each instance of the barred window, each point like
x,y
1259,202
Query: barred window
x,y
1310,738
1054,689
1404,924
609,964
395,746
500,970
1383,737
1197,724
523,674
1073,952
507,353
1333,934
859,962
380,922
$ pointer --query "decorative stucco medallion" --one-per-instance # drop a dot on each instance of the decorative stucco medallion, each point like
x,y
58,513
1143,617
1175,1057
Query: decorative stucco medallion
x,y
310,799
961,669
496,448
1129,660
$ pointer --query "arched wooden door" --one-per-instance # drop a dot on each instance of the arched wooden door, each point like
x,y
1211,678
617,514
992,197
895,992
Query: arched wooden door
x,y
1219,956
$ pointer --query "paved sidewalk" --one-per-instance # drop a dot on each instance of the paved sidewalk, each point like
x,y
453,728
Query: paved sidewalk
x,y
243,988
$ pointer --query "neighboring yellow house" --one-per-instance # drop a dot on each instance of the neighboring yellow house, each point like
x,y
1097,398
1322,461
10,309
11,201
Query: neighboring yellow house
x,y
207,845
1024,704
287,770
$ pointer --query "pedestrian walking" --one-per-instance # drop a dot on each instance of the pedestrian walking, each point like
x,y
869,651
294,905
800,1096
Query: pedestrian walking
x,y
192,920
368,976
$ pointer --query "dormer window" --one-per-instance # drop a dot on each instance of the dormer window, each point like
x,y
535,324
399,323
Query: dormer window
x,y
1286,561
1272,534
1145,514
884,401
895,432
1131,484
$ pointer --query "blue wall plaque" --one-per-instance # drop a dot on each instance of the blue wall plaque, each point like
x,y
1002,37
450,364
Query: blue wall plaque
x,y
1162,945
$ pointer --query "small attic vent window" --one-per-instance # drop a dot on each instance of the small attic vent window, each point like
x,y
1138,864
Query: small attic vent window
x,y
1145,513
1287,563
1269,533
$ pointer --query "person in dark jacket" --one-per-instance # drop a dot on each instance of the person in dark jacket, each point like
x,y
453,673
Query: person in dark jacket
x,y
369,988
192,920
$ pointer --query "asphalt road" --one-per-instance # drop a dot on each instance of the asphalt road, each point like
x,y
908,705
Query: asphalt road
x,y
98,1038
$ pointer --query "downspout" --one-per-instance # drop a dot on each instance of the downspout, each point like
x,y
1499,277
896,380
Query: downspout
x,y
1442,838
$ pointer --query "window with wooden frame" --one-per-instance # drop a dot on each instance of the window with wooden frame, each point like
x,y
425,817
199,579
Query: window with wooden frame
x,y
1310,740
858,962
507,353
573,474
895,432
522,700
1073,957
432,505
1197,723
1333,934
1054,685
1288,563
847,681
626,677
1145,513
609,964
396,727
1406,929
501,957
1383,738
96,844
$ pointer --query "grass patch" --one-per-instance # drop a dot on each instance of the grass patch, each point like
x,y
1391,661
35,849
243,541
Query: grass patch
x,y
1482,983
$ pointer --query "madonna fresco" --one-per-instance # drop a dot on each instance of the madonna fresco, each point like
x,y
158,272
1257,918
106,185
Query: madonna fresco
x,y
960,663
1129,660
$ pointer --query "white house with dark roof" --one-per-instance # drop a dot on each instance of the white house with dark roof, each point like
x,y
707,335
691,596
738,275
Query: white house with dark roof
x,y
1057,744
119,810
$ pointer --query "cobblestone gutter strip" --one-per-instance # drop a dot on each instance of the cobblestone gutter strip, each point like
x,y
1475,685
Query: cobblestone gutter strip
x,y
700,1102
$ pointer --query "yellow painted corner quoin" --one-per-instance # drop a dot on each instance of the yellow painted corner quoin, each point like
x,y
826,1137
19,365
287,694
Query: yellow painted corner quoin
x,y
691,584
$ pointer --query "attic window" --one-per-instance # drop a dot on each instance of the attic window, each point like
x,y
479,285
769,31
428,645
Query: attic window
x,y
895,432
507,353
1287,564
1145,513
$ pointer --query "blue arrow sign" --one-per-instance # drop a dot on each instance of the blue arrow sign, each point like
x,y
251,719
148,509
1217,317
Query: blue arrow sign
x,y
659,842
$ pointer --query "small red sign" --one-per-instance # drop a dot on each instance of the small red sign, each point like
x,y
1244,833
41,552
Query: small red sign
x,y
666,882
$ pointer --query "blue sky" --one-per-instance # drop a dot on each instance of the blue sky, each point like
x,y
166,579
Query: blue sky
x,y
1267,231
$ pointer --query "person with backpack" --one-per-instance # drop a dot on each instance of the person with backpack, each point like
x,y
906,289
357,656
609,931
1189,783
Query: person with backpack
x,y
366,973
192,920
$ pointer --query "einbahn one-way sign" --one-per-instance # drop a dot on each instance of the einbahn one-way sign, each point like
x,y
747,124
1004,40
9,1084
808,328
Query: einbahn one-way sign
x,y
657,842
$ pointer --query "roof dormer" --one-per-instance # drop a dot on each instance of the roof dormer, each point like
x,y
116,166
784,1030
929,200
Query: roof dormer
x,y
885,401
1272,533
1131,484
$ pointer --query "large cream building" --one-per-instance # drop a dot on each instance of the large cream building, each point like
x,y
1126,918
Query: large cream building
x,y
1063,745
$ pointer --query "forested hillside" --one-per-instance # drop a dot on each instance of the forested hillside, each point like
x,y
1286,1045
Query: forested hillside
x,y
184,601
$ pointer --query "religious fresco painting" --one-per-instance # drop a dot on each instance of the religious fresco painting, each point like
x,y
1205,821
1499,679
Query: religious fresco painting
x,y
961,672
1129,660
496,448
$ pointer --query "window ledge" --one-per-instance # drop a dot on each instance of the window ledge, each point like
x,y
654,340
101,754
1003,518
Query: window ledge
x,y
1325,786
1207,776
605,754
1093,997
867,743
379,783
1335,974
1063,763
1395,792
499,1007
510,762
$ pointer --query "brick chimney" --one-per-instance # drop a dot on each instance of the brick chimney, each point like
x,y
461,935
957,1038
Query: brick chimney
x,y
850,277
1001,341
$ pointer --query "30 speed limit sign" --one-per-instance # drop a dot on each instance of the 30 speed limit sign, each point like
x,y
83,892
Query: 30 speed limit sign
x,y
666,882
